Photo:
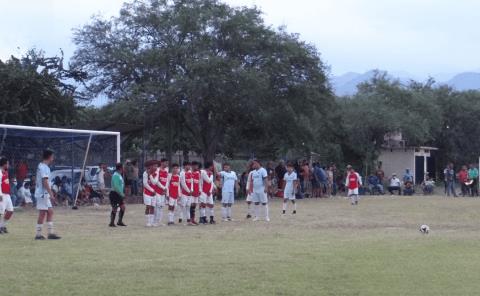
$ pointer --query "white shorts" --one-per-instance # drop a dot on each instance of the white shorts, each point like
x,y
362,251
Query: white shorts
x,y
188,200
228,197
183,200
352,192
259,197
149,200
159,200
7,204
43,202
249,197
289,195
172,202
194,200
206,199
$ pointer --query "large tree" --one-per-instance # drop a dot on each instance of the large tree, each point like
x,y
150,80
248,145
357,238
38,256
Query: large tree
x,y
207,72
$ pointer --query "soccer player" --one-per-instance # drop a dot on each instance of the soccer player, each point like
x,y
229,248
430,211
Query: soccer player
x,y
196,190
117,196
149,198
353,183
258,189
206,196
44,195
159,180
289,187
186,183
7,210
174,192
229,181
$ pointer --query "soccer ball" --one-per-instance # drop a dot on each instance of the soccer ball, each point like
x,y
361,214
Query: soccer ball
x,y
424,229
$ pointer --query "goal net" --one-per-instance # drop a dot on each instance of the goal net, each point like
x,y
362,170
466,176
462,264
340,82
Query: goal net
x,y
78,154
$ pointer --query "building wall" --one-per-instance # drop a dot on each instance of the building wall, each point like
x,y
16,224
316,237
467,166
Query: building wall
x,y
397,161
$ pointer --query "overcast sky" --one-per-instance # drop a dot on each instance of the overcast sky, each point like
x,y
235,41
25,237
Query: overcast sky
x,y
422,37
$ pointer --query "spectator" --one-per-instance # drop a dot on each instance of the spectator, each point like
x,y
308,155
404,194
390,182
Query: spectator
x,y
134,177
330,181
33,179
25,194
374,184
101,180
319,180
307,178
67,189
408,177
408,189
280,171
380,174
428,185
22,171
395,185
450,179
473,177
445,183
13,192
128,175
463,179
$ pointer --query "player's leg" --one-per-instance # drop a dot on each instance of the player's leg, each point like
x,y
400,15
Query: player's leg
x,y
181,209
285,205
122,213
172,203
158,211
113,213
224,212
193,209
8,212
42,214
203,205
211,206
51,231
294,203
187,207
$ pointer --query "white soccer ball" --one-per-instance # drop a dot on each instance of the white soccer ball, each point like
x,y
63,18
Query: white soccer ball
x,y
424,229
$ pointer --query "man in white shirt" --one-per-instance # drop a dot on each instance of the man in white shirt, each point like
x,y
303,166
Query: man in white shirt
x,y
44,195
229,182
289,187
258,189
395,185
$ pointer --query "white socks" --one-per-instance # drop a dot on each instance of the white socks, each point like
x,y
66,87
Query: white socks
x,y
224,213
266,212
158,215
50,227
211,212
171,216
285,206
38,229
295,206
229,212
202,212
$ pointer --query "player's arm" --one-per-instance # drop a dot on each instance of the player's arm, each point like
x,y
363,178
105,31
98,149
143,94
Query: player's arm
x,y
206,178
146,178
157,182
183,183
265,180
46,185
1,177
169,179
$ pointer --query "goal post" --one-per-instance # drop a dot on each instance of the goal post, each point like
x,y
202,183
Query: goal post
x,y
77,153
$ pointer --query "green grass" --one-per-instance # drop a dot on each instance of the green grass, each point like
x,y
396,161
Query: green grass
x,y
329,248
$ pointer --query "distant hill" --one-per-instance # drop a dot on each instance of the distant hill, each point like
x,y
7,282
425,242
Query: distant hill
x,y
346,84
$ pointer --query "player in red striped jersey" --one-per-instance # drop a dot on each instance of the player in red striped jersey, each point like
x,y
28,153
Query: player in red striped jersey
x,y
196,190
186,184
174,192
149,192
159,180
6,211
206,195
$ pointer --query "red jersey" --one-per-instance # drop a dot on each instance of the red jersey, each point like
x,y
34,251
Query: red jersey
x,y
207,187
162,178
150,183
174,186
196,183
188,182
463,176
353,181
5,183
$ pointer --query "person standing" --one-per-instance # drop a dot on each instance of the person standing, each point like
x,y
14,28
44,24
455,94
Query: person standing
x,y
206,197
450,180
5,197
258,190
353,183
290,188
173,192
44,196
117,196
186,184
149,199
473,177
463,179
229,181
134,175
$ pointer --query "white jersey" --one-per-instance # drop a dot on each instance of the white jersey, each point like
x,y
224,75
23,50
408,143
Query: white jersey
x,y
43,171
290,181
228,181
258,177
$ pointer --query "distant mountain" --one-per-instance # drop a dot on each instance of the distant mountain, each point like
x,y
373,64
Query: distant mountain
x,y
346,84
465,81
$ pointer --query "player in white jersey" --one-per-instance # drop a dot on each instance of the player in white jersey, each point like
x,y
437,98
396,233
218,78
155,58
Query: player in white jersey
x,y
229,182
258,190
44,195
289,188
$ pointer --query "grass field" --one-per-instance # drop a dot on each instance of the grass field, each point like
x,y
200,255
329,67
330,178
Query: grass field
x,y
329,248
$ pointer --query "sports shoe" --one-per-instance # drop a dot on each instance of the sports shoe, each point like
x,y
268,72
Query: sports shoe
x,y
255,219
356,202
229,219
180,221
249,216
148,225
283,212
170,223
193,223
225,220
112,225
53,236
122,224
294,212
39,237
1,231
4,229
212,220
267,219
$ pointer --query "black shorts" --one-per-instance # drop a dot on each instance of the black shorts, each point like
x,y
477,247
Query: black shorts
x,y
116,199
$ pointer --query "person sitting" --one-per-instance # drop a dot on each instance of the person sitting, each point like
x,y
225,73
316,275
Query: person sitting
x,y
408,189
408,177
428,186
374,185
395,185
25,194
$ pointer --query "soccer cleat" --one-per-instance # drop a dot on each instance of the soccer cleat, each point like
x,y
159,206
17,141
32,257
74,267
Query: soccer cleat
x,y
194,223
267,219
121,224
249,216
356,202
294,212
283,212
170,223
53,236
212,220
229,219
148,225
39,237
180,221
189,221
4,230
112,225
